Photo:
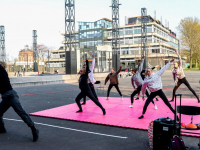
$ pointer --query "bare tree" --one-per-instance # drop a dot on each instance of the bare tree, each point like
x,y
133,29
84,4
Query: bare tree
x,y
42,54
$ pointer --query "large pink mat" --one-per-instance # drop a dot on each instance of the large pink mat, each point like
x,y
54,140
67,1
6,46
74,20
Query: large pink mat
x,y
118,114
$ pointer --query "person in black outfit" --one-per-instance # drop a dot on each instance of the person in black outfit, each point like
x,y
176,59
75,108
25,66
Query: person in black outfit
x,y
143,77
85,90
11,99
93,92
91,80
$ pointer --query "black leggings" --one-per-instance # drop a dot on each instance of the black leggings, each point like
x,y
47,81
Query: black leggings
x,y
93,92
110,87
180,81
88,94
138,91
162,95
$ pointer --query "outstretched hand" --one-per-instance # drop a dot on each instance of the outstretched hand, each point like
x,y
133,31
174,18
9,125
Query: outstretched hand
x,y
176,52
172,60
156,66
121,66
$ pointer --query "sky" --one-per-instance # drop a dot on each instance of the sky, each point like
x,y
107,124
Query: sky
x,y
20,17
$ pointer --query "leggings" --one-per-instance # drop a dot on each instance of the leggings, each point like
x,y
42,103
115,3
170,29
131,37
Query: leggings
x,y
162,95
11,99
138,91
88,94
93,92
180,81
110,87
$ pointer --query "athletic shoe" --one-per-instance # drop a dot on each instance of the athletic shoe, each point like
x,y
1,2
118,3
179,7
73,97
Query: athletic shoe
x,y
79,111
130,106
83,103
141,117
107,98
122,98
35,135
157,99
2,129
171,101
156,107
137,98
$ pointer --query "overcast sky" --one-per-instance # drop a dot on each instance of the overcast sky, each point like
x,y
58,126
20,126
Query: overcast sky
x,y
20,17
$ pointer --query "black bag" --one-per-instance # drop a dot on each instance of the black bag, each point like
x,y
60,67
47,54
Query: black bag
x,y
177,144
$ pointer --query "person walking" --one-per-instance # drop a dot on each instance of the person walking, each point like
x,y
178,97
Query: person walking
x,y
112,76
179,74
154,82
10,98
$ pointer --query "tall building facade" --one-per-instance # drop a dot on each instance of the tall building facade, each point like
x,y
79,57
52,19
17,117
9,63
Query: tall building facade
x,y
96,38
161,42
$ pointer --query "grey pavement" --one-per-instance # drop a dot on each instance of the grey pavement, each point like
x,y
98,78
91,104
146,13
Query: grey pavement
x,y
18,136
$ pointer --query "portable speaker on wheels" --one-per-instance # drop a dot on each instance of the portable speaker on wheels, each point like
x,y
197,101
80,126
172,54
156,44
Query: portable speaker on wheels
x,y
163,131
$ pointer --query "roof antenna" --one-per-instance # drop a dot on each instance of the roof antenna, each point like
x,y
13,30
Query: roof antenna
x,y
161,19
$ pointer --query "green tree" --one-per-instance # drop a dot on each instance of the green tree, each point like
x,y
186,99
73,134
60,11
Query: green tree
x,y
189,29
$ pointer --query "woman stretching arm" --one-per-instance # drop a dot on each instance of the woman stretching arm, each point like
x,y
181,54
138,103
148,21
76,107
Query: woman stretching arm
x,y
153,81
179,74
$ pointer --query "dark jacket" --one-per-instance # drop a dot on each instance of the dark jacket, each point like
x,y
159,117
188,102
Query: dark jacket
x,y
4,81
83,80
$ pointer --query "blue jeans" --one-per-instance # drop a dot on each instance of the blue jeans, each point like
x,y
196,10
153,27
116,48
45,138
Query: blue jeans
x,y
11,99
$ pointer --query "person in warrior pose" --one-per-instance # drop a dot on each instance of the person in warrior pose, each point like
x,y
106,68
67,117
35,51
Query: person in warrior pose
x,y
153,81
143,76
138,81
85,89
178,72
10,98
113,81
91,81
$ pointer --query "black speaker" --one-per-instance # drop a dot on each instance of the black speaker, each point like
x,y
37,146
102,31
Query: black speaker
x,y
163,130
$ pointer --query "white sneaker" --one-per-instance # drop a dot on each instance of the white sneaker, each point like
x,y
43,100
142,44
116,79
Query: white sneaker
x,y
122,98
156,107
130,106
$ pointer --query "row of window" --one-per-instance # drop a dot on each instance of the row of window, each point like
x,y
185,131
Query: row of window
x,y
92,25
90,43
91,34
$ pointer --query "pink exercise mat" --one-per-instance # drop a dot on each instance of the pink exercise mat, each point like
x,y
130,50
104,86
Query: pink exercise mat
x,y
118,114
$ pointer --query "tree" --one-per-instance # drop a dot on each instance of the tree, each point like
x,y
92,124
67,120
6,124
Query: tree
x,y
42,53
15,61
189,36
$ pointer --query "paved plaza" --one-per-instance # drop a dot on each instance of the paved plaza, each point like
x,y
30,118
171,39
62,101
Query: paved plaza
x,y
58,134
